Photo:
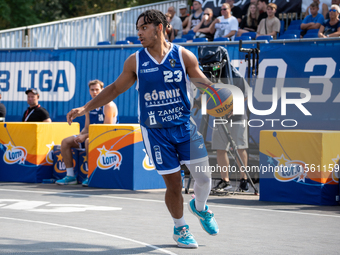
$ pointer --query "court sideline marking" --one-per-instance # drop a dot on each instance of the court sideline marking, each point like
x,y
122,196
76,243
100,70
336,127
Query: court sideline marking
x,y
161,201
91,231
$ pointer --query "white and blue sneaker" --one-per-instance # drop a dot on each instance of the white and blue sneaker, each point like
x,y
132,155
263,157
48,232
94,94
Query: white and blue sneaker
x,y
67,180
184,238
85,183
205,217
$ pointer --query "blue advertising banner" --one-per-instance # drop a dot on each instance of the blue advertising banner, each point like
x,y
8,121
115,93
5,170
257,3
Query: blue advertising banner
x,y
313,66
302,65
61,78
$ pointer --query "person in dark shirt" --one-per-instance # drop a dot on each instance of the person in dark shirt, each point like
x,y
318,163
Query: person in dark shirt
x,y
262,7
249,22
336,2
35,113
202,29
246,7
2,111
184,15
196,17
331,27
235,10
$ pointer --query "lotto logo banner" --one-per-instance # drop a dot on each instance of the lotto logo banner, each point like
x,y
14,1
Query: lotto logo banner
x,y
117,158
300,166
59,168
26,149
83,167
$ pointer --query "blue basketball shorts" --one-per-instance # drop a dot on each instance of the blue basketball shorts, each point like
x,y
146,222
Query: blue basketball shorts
x,y
168,148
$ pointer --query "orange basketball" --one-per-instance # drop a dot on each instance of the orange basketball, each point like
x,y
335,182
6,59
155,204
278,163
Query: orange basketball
x,y
221,105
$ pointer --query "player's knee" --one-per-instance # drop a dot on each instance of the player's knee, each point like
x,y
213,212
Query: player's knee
x,y
203,180
173,185
65,143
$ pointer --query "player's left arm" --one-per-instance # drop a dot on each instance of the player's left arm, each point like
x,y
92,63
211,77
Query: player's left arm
x,y
196,75
110,112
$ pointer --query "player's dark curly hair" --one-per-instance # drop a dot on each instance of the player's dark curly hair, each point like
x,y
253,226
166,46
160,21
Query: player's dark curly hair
x,y
155,17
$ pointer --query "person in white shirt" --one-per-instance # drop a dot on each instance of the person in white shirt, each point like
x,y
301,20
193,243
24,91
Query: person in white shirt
x,y
225,25
175,22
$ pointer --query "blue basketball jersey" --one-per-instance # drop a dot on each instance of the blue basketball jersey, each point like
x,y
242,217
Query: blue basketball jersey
x,y
97,116
163,89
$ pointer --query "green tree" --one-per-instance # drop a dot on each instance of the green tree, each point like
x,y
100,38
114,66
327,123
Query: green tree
x,y
17,13
5,15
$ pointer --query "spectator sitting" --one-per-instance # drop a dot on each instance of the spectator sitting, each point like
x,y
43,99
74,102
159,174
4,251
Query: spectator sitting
x,y
323,8
196,17
202,29
262,7
235,10
312,21
331,27
336,2
175,22
270,25
183,10
246,7
225,25
2,111
35,113
249,22
169,32
107,114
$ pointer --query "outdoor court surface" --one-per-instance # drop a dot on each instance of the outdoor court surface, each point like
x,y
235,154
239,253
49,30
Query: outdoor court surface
x,y
51,219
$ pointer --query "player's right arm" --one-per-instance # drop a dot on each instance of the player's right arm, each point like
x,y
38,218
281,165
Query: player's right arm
x,y
196,75
87,124
84,133
125,80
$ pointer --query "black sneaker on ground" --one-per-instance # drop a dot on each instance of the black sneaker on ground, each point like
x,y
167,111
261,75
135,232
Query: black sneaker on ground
x,y
222,185
244,186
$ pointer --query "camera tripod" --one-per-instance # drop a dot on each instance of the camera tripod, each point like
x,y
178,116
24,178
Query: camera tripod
x,y
214,71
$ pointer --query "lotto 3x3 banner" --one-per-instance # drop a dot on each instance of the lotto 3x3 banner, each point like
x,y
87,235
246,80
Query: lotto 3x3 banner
x,y
299,166
118,158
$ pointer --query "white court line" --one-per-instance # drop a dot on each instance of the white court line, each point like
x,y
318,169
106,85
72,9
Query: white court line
x,y
83,195
161,201
91,231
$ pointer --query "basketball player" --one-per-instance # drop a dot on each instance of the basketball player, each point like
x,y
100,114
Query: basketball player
x,y
170,137
107,114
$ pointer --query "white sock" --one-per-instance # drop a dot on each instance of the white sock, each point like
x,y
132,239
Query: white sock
x,y
202,184
70,171
179,222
